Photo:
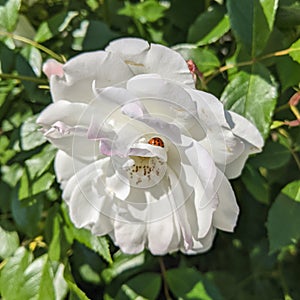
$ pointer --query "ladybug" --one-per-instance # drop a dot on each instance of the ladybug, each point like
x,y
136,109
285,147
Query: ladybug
x,y
156,141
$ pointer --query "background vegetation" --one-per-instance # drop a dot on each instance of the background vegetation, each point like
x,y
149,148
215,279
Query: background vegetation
x,y
248,54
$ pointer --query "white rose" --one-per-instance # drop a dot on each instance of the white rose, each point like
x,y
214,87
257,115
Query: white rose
x,y
143,156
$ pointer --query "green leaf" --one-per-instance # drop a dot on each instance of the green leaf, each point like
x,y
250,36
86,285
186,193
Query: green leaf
x,y
40,162
205,59
146,285
188,283
74,289
30,188
252,95
12,274
288,71
252,21
9,242
54,25
274,156
146,11
9,15
98,244
295,51
209,26
58,235
38,280
26,214
122,262
12,174
283,220
31,136
93,40
59,282
34,58
256,184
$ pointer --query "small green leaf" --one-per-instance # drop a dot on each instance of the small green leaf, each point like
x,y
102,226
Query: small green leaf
x,y
54,25
59,282
295,51
146,286
209,26
252,95
98,244
146,11
34,58
31,136
252,21
283,220
122,262
9,242
9,15
256,184
188,283
12,274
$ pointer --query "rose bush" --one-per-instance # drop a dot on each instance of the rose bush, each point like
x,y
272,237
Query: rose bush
x,y
144,156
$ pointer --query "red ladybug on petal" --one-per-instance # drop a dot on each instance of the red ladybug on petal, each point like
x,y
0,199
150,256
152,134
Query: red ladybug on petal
x,y
156,141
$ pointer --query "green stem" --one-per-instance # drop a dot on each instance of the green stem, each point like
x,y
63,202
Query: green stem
x,y
252,61
34,44
164,276
21,77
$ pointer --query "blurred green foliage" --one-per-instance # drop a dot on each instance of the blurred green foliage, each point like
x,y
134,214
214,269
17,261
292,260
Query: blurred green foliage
x,y
248,54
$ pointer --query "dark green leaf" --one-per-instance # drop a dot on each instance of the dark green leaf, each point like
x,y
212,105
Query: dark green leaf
x,y
256,184
74,289
26,215
98,244
252,95
97,36
274,156
283,220
187,283
252,21
146,285
288,15
209,26
288,71
9,242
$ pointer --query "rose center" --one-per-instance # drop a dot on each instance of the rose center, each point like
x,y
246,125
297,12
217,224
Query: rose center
x,y
144,172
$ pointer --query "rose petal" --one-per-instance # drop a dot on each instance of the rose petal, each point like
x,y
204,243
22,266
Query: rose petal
x,y
225,217
52,67
65,167
143,58
105,69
